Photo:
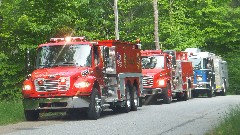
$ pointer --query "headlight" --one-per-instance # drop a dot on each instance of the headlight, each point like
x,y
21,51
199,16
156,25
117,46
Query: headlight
x,y
199,78
62,80
26,87
161,82
81,84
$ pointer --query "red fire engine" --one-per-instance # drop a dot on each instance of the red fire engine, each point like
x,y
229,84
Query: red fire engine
x,y
156,69
183,72
167,75
73,74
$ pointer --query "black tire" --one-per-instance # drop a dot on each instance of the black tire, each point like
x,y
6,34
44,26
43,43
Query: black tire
x,y
117,109
133,99
150,99
179,97
31,115
94,109
128,102
210,93
187,94
223,92
140,101
195,94
185,97
167,99
211,90
218,93
126,108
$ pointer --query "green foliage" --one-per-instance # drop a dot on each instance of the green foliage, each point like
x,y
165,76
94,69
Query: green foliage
x,y
212,26
233,60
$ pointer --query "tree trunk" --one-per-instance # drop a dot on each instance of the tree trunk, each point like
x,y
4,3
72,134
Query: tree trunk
x,y
116,19
156,41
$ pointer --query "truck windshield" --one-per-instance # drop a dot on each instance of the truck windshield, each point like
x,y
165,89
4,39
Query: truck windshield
x,y
207,63
196,63
151,62
64,55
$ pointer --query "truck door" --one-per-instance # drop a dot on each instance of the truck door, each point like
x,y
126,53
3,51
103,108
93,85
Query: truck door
x,y
97,64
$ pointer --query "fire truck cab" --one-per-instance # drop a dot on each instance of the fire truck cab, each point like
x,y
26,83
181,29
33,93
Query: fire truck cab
x,y
74,74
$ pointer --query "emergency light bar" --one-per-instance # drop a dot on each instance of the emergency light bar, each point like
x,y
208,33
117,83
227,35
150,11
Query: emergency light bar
x,y
78,38
192,54
56,39
67,39
153,52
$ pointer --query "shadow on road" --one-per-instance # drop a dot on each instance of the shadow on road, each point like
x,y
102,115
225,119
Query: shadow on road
x,y
76,116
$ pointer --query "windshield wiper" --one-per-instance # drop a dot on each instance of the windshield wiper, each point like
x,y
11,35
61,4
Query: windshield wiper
x,y
55,64
69,63
44,66
41,66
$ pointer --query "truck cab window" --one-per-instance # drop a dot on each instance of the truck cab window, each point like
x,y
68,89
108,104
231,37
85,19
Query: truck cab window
x,y
96,55
205,63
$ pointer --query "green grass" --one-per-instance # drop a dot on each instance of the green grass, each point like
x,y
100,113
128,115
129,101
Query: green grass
x,y
11,112
230,125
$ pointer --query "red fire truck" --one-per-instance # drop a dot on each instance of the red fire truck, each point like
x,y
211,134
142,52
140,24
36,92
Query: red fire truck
x,y
184,79
74,74
166,75
156,69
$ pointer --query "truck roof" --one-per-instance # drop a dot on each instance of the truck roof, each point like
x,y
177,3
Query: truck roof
x,y
81,40
192,50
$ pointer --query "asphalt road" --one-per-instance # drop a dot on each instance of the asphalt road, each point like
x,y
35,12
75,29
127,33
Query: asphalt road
x,y
195,117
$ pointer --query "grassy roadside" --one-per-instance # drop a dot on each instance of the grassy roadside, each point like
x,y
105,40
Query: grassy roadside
x,y
230,125
11,112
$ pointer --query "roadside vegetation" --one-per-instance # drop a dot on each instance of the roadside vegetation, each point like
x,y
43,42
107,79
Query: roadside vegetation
x,y
11,112
230,124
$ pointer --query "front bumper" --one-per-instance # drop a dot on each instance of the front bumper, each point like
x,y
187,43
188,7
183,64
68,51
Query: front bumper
x,y
202,86
60,103
149,91
219,89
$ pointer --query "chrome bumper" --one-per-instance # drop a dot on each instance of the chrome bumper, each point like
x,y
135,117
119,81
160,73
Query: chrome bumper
x,y
60,103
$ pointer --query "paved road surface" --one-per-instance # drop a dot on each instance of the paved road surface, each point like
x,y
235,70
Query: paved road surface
x,y
194,117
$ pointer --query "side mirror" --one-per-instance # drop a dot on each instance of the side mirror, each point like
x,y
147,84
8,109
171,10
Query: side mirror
x,y
106,56
30,56
27,61
106,52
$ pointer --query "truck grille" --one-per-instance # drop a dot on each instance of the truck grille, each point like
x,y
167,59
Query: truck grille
x,y
147,81
51,84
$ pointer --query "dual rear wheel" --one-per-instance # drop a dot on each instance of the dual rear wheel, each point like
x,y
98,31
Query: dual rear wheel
x,y
131,102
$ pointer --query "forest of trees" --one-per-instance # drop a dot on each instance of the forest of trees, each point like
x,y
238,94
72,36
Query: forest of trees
x,y
212,25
